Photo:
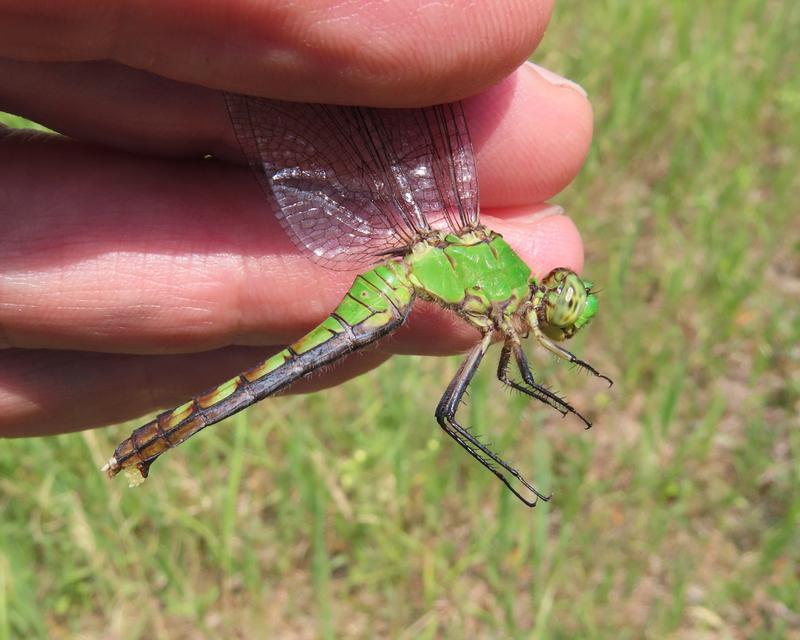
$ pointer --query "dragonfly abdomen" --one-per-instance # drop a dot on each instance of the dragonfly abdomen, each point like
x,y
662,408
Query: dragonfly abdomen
x,y
378,301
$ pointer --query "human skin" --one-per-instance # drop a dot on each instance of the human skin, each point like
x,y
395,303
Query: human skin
x,y
134,272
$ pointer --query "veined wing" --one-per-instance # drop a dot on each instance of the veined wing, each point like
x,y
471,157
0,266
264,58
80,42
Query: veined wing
x,y
353,184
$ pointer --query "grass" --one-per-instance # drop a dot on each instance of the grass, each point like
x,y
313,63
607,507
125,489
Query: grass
x,y
346,514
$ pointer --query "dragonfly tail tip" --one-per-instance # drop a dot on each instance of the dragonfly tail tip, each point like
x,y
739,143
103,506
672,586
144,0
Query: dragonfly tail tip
x,y
110,468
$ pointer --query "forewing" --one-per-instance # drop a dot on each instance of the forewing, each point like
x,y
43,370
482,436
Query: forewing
x,y
354,184
434,150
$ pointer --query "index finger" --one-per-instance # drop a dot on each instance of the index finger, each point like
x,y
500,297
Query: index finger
x,y
395,53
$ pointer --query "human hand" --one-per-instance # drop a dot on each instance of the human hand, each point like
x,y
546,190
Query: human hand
x,y
130,277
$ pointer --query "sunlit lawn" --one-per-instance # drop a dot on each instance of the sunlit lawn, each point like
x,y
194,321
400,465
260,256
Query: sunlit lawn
x,y
347,514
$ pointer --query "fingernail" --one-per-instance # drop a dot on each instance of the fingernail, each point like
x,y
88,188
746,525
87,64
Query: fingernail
x,y
557,80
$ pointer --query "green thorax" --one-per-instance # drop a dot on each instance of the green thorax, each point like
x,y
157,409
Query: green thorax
x,y
472,272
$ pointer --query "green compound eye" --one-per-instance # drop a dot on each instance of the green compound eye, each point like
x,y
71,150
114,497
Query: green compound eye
x,y
569,303
589,310
567,299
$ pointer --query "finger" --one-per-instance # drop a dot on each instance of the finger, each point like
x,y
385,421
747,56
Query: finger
x,y
45,392
531,133
114,105
397,53
118,254
152,257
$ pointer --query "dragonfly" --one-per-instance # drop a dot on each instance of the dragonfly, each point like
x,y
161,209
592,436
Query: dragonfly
x,y
393,193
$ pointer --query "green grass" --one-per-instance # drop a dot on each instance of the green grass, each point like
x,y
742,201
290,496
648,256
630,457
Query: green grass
x,y
346,514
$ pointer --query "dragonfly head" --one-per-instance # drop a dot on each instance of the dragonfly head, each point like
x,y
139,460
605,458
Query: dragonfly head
x,y
563,303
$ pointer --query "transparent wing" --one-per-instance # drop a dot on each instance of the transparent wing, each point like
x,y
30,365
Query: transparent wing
x,y
354,184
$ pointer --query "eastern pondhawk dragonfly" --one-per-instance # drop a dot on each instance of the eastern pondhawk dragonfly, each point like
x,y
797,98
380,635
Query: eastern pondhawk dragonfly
x,y
394,190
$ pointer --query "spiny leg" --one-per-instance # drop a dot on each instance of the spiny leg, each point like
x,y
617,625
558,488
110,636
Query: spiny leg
x,y
540,393
561,352
533,389
446,417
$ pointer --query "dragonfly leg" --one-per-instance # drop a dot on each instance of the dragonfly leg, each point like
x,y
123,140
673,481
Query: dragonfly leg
x,y
531,387
446,417
561,352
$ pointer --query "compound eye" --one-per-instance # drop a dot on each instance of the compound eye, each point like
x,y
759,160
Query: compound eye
x,y
569,294
568,306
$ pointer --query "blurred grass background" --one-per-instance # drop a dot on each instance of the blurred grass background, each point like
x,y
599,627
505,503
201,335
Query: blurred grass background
x,y
347,514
